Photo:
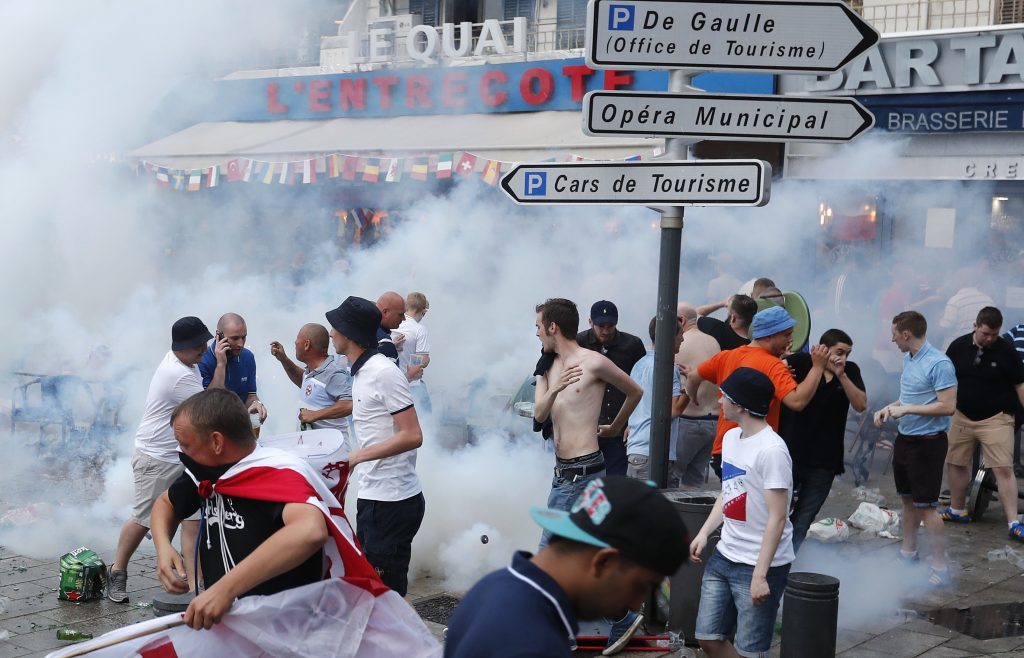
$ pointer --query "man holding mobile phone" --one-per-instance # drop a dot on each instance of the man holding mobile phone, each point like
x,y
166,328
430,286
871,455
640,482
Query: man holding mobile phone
x,y
239,374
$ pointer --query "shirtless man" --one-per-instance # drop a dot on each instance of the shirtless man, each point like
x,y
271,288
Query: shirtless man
x,y
570,392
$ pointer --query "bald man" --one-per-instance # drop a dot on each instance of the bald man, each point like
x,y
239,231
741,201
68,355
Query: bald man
x,y
325,387
392,312
695,428
239,375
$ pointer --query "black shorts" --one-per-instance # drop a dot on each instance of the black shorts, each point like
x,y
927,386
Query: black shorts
x,y
385,530
917,466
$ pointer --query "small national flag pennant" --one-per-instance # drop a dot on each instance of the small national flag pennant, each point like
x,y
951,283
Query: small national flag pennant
x,y
350,167
420,169
213,176
492,172
268,172
394,171
308,172
371,173
444,165
467,164
333,166
234,171
162,178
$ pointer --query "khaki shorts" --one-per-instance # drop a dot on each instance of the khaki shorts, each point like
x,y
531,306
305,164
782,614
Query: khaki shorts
x,y
995,435
152,478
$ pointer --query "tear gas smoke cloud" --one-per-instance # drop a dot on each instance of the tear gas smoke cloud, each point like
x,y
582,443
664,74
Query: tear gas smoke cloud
x,y
93,256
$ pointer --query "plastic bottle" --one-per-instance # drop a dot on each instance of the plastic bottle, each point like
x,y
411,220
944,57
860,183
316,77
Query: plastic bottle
x,y
73,635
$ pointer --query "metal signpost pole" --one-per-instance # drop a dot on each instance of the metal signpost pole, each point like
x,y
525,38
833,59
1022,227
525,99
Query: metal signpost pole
x,y
668,296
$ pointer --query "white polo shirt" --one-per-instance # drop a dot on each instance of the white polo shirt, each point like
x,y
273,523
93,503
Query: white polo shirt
x,y
172,383
379,391
417,341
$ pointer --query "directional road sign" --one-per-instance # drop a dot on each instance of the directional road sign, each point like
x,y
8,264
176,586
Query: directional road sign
x,y
665,183
725,34
755,118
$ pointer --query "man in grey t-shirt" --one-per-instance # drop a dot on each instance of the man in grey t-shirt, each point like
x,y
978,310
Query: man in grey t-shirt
x,y
325,387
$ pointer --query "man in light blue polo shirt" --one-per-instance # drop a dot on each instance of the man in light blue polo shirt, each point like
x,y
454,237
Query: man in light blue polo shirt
x,y
927,400
638,432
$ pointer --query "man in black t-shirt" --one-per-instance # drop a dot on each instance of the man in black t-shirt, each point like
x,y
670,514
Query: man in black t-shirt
x,y
990,379
733,332
624,350
246,545
815,436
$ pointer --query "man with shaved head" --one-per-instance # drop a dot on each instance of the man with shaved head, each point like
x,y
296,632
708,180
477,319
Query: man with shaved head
x,y
695,428
392,312
239,375
325,387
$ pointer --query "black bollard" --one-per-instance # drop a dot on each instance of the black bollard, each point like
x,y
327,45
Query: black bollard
x,y
810,614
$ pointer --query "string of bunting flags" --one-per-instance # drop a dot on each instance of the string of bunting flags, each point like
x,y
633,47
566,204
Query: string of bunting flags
x,y
337,166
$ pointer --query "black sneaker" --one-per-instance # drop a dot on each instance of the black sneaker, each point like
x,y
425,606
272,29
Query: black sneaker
x,y
117,587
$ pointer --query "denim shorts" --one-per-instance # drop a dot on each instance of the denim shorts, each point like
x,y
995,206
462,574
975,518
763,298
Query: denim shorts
x,y
725,605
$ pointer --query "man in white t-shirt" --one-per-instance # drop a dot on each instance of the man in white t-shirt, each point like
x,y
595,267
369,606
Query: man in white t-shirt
x,y
746,575
414,354
389,505
155,462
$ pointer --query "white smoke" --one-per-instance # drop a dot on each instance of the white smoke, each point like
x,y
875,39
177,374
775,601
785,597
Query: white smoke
x,y
93,255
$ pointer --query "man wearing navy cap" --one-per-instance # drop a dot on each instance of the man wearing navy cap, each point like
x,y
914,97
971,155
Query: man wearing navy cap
x,y
618,542
746,575
390,505
624,350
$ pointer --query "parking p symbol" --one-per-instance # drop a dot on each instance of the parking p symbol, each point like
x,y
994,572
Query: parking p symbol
x,y
620,17
536,183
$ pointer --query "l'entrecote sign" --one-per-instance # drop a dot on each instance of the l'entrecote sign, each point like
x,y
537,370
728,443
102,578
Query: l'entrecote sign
x,y
427,43
961,60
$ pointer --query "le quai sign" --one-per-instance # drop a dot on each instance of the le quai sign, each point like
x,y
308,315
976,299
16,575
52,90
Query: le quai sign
x,y
427,43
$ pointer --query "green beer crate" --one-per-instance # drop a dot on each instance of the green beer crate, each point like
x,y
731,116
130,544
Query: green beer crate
x,y
83,576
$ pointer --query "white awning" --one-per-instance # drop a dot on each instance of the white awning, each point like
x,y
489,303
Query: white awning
x,y
511,137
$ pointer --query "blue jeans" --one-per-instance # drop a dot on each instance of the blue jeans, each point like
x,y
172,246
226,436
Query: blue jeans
x,y
810,489
726,606
565,491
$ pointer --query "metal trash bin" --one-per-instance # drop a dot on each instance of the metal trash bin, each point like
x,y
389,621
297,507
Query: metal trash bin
x,y
694,507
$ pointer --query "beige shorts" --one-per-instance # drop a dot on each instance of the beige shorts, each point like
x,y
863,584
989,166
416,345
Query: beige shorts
x,y
152,478
995,435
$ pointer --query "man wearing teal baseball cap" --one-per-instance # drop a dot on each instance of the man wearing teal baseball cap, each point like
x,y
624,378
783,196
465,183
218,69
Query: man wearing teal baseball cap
x,y
619,541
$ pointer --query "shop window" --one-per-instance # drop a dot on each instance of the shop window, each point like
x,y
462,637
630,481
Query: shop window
x,y
466,11
515,8
1007,227
572,20
429,10
849,220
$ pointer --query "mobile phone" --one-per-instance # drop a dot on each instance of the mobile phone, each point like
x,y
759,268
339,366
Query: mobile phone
x,y
220,336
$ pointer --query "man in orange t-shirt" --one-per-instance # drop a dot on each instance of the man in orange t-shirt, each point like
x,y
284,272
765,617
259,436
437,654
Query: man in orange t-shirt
x,y
771,333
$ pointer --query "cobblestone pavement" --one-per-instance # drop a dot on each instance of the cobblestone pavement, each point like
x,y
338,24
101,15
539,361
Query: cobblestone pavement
x,y
882,603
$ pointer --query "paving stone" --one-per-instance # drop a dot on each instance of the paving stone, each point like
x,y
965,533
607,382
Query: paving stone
x,y
944,652
10,650
26,624
925,626
40,572
899,642
847,639
25,590
31,605
861,652
986,647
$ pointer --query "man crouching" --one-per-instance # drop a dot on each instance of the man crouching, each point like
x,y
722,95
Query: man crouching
x,y
253,538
